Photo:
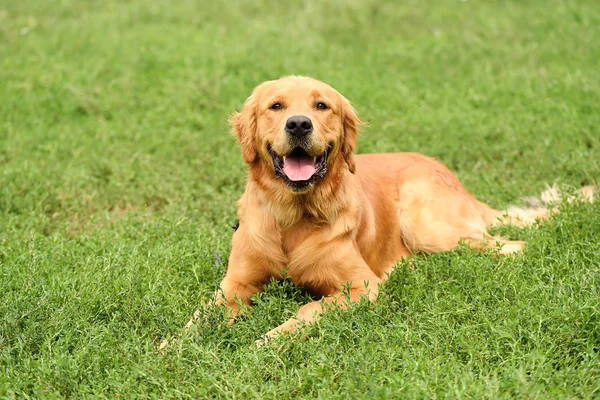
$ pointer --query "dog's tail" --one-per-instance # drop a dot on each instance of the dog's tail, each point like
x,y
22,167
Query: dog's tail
x,y
538,207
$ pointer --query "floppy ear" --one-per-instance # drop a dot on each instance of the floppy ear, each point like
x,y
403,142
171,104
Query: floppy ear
x,y
243,127
351,127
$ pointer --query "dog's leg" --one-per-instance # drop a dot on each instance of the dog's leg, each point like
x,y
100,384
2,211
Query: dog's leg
x,y
251,265
438,217
232,293
504,246
311,312
236,288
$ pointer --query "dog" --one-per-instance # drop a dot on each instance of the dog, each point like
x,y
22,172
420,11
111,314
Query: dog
x,y
334,222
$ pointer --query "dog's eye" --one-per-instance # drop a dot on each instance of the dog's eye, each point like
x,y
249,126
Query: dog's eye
x,y
276,106
322,106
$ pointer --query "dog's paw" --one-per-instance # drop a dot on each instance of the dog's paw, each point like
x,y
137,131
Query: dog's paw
x,y
263,342
269,339
203,318
163,345
195,318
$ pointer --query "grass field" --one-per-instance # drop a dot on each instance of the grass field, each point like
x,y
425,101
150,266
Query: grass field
x,y
118,183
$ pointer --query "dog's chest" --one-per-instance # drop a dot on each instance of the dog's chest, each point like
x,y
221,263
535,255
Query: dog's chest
x,y
294,237
303,244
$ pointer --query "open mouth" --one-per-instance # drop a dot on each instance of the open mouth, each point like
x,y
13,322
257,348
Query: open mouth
x,y
299,169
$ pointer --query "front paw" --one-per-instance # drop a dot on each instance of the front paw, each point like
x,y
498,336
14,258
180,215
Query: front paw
x,y
268,339
210,317
195,318
263,342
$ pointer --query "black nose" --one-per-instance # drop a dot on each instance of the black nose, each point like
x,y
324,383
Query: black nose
x,y
299,126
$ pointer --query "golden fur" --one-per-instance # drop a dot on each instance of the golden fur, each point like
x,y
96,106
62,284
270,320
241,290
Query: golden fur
x,y
348,229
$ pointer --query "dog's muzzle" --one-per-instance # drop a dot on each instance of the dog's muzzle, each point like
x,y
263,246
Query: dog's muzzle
x,y
299,170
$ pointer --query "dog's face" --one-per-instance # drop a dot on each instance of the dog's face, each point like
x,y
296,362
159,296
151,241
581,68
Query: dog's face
x,y
298,127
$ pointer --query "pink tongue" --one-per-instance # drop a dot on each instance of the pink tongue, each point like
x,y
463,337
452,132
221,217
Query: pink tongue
x,y
299,168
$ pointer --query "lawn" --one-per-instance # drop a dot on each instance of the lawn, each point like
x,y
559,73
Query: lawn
x,y
118,182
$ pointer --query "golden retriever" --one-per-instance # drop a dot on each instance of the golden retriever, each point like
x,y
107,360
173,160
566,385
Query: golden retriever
x,y
334,222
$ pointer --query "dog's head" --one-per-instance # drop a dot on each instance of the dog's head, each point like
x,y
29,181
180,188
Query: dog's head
x,y
298,128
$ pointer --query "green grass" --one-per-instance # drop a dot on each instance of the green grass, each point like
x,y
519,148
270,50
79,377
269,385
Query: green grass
x,y
118,183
